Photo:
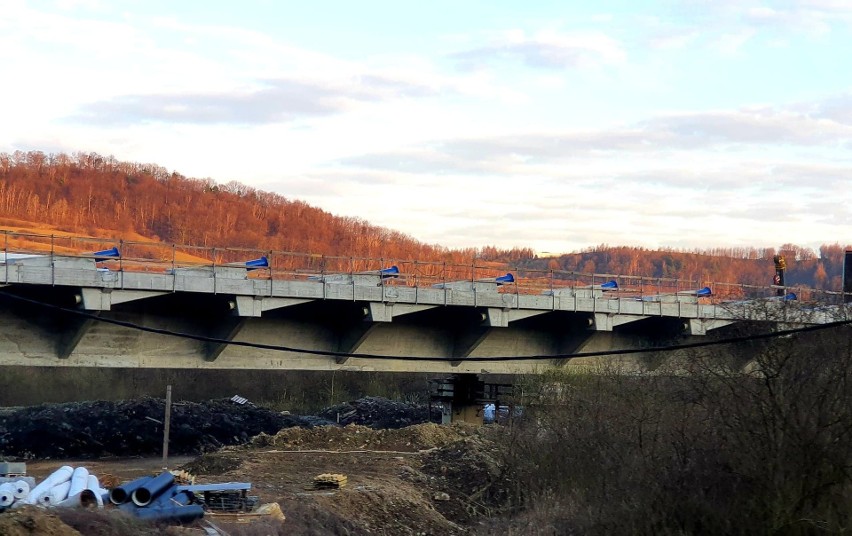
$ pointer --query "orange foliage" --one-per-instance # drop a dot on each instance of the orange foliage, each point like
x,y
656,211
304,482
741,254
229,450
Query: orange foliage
x,y
90,194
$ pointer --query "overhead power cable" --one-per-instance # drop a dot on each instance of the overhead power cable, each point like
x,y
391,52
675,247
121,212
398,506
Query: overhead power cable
x,y
329,353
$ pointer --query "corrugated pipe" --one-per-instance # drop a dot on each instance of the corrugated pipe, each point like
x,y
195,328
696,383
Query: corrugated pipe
x,y
121,494
143,495
172,497
180,514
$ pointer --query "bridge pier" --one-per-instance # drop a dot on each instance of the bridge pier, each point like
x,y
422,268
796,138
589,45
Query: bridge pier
x,y
463,397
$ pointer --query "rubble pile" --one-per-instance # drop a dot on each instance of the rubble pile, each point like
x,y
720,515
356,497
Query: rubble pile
x,y
378,412
133,428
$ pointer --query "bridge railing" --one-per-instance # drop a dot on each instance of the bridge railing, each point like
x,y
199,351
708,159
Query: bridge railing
x,y
285,265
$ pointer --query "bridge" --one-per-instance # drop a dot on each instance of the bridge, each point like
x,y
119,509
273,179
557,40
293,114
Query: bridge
x,y
71,301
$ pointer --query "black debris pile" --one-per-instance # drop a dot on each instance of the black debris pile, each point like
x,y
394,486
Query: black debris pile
x,y
133,428
378,412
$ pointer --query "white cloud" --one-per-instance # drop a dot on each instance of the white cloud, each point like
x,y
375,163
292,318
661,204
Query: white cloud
x,y
557,137
549,49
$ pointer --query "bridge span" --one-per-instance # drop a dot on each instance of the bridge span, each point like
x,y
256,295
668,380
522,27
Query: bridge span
x,y
121,306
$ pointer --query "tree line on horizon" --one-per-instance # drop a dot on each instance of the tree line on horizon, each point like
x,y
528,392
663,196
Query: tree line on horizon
x,y
87,193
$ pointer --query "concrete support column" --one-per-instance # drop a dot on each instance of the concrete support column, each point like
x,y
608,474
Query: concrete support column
x,y
461,397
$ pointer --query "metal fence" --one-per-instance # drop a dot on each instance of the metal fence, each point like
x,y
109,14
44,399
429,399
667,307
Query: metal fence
x,y
286,265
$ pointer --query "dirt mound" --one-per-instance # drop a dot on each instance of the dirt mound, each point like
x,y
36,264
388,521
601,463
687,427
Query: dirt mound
x,y
31,521
378,412
356,437
381,510
133,428
470,472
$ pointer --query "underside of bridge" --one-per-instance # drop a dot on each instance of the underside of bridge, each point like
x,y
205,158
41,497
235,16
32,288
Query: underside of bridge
x,y
322,334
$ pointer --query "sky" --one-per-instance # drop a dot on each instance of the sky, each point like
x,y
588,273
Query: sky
x,y
551,125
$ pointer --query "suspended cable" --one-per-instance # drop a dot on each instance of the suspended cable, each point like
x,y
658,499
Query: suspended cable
x,y
330,353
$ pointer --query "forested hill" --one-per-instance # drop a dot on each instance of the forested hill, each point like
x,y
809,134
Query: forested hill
x,y
90,194
87,193
749,266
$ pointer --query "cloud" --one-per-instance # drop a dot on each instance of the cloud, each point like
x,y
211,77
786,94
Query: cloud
x,y
697,202
837,108
278,101
548,50
821,125
764,125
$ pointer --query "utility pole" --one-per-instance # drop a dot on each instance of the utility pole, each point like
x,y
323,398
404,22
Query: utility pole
x,y
167,423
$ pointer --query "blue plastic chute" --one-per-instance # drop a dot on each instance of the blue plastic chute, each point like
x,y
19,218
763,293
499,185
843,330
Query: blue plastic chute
x,y
254,264
503,279
106,254
386,273
790,296
610,285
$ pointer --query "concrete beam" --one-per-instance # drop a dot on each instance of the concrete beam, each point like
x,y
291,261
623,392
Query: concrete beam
x,y
500,318
102,299
70,338
700,326
227,329
466,342
255,305
354,338
385,312
608,321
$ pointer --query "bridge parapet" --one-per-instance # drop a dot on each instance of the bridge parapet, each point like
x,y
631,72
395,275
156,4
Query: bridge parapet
x,y
101,288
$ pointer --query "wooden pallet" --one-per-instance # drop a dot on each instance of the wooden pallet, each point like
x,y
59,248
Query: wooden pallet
x,y
264,511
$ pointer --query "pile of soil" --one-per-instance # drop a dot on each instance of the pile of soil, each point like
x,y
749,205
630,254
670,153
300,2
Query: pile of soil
x,y
470,472
31,521
133,428
356,437
378,412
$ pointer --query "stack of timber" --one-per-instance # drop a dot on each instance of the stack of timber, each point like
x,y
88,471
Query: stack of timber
x,y
329,481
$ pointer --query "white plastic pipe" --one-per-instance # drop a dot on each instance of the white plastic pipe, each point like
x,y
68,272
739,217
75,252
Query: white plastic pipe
x,y
7,494
93,484
84,499
56,495
63,474
22,489
79,481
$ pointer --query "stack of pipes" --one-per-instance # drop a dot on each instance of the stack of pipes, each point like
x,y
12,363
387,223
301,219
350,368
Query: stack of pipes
x,y
65,487
156,498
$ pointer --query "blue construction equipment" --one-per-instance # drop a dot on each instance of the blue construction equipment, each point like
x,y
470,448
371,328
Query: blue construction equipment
x,y
390,272
704,292
256,264
106,254
504,279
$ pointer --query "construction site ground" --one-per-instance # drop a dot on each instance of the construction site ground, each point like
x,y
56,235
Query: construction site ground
x,y
422,479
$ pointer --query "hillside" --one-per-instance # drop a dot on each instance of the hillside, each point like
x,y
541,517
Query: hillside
x,y
89,194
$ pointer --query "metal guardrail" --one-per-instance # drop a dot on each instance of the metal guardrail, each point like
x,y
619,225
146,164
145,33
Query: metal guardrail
x,y
156,257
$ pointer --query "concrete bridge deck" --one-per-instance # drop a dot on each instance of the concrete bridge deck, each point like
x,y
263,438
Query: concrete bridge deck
x,y
431,323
